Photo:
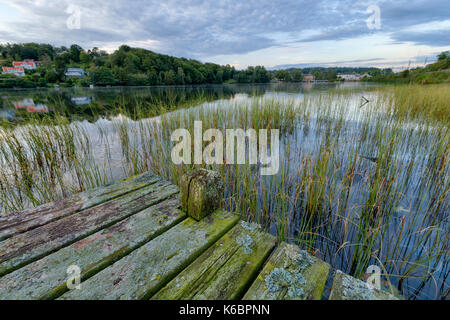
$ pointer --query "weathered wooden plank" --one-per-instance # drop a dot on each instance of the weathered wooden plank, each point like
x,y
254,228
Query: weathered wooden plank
x,y
144,271
45,278
290,274
224,270
27,247
201,193
346,287
31,218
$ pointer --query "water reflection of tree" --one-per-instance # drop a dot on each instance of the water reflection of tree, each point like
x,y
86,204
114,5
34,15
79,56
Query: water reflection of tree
x,y
137,102
133,102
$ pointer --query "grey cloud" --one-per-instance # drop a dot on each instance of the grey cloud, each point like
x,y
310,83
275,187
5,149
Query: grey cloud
x,y
326,64
205,28
430,38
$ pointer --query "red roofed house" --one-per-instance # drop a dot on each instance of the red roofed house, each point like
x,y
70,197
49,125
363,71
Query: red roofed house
x,y
26,64
18,71
24,104
38,108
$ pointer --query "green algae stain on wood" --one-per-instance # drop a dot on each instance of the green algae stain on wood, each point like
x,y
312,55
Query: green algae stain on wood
x,y
32,218
290,274
225,269
45,278
201,193
143,272
27,247
345,287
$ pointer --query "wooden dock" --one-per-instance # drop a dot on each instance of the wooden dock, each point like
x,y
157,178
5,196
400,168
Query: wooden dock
x,y
145,238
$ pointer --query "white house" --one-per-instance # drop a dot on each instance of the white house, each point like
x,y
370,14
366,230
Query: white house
x,y
24,104
80,100
74,72
350,77
18,71
28,64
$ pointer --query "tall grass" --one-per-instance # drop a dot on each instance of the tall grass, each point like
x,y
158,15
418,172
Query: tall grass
x,y
357,185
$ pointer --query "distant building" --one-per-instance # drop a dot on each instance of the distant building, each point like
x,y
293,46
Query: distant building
x,y
74,72
28,64
24,104
30,106
38,108
350,77
18,71
80,100
309,77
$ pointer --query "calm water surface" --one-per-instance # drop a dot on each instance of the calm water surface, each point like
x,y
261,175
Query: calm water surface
x,y
103,107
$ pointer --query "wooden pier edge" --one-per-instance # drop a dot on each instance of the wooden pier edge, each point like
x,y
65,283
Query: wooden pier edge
x,y
143,238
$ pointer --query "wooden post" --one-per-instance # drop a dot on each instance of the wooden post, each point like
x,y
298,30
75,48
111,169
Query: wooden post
x,y
201,193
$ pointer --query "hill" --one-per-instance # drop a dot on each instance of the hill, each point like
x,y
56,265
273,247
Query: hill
x,y
126,66
437,72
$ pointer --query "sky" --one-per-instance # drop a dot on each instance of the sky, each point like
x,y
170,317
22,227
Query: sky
x,y
271,33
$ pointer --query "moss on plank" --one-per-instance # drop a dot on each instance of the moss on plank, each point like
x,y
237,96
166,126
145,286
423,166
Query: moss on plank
x,y
142,273
346,287
35,244
290,273
45,278
225,269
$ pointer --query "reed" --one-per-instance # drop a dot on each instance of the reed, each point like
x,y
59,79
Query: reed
x,y
357,185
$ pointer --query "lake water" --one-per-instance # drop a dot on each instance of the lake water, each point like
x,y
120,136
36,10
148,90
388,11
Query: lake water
x,y
91,104
108,116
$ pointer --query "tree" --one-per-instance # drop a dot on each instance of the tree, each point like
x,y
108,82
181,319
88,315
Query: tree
x,y
74,52
85,58
219,76
45,60
127,66
443,55
331,75
297,75
51,76
180,76
169,78
153,78
102,77
405,73
283,75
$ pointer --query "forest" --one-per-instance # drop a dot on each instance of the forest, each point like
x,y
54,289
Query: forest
x,y
126,66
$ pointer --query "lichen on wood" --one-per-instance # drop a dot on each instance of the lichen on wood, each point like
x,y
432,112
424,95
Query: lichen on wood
x,y
346,287
143,272
290,273
29,246
32,218
225,269
201,193
45,278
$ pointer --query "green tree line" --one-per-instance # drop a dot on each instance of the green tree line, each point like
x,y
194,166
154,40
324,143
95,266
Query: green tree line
x,y
437,72
126,66
326,73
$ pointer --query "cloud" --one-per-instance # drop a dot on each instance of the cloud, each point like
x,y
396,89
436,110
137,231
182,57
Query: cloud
x,y
438,38
202,28
327,64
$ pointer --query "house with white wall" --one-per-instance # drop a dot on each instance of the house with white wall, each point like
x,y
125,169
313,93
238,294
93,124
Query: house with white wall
x,y
74,72
18,71
350,77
